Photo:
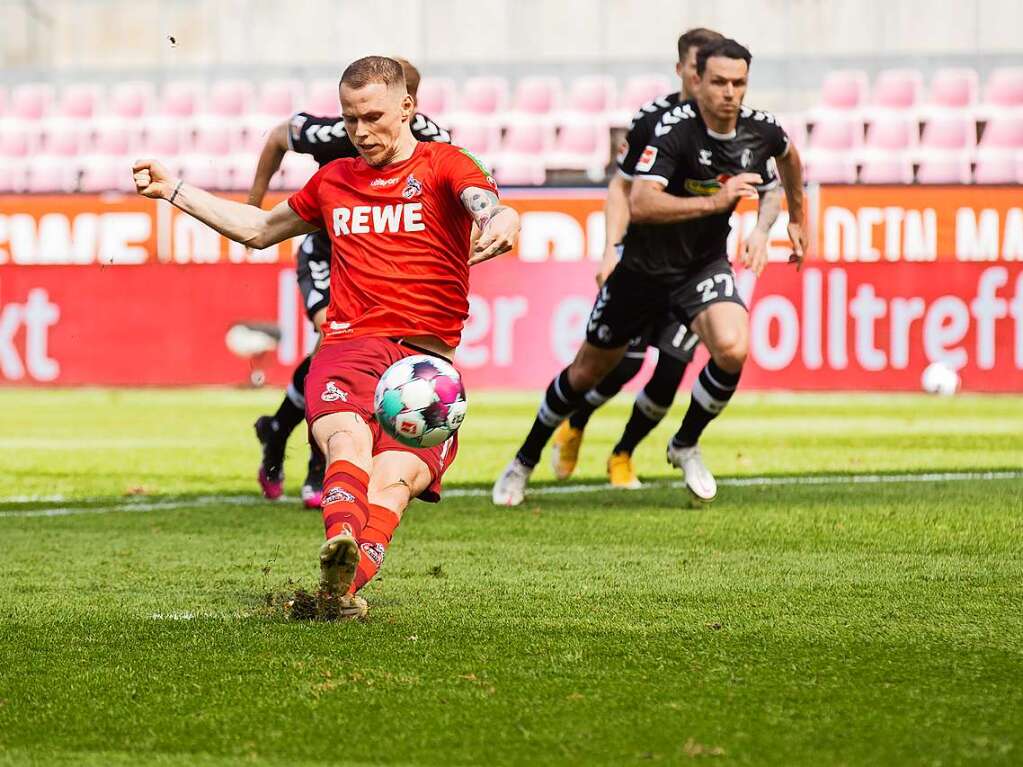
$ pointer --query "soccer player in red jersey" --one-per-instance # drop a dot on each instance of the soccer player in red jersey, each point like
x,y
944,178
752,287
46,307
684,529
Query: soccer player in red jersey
x,y
400,218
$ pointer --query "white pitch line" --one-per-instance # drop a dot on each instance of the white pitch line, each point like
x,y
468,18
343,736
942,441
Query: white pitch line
x,y
479,492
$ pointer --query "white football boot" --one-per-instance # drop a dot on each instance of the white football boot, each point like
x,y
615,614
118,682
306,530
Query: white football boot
x,y
510,488
698,478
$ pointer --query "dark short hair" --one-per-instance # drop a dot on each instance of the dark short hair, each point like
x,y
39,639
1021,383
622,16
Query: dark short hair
x,y
697,37
373,69
726,48
412,76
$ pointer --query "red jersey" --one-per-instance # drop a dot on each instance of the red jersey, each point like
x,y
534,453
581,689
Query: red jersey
x,y
400,242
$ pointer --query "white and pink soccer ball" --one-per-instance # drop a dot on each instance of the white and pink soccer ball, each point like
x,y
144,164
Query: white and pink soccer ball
x,y
420,400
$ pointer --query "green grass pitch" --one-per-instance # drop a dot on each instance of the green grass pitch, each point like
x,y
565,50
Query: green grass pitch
x,y
847,621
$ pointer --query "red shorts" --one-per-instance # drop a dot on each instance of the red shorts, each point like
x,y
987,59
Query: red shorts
x,y
343,378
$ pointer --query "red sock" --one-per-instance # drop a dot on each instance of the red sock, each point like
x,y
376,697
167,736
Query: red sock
x,y
344,499
374,541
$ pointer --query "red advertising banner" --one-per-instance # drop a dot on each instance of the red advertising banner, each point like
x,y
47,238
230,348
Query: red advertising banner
x,y
842,326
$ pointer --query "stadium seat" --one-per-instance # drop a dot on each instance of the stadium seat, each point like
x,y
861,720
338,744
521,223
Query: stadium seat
x,y
831,169
953,89
582,146
889,134
238,171
530,139
162,139
897,89
794,126
1003,133
843,90
944,168
591,95
31,101
537,95
231,98
484,96
835,134
949,132
521,171
49,174
481,140
105,174
13,175
63,139
203,171
278,98
79,101
436,96
112,139
213,139
132,99
995,168
4,101
640,89
296,170
1004,89
181,98
893,168
17,140
322,99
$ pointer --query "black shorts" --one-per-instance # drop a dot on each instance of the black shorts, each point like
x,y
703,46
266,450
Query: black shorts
x,y
314,272
631,303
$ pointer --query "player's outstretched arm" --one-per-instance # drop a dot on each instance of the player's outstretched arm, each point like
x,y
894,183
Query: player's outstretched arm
x,y
790,168
616,221
754,252
270,158
253,227
498,224
650,203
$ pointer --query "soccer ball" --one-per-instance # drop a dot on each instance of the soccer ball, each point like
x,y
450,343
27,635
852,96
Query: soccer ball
x,y
939,378
420,400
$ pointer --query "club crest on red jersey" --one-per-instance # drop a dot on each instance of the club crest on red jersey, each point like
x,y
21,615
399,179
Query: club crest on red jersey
x,y
413,187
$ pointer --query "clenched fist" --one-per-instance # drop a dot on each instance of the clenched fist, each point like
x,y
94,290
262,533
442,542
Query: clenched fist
x,y
152,180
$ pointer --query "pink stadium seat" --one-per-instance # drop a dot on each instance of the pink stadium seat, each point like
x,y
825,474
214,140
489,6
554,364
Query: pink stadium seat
x,y
202,171
891,133
482,140
436,96
322,99
592,95
13,175
529,139
1005,88
31,101
894,168
16,140
238,172
105,174
537,95
79,101
640,89
995,168
231,98
949,132
944,168
582,146
181,98
844,89
954,89
47,174
1003,133
836,133
63,140
795,127
521,171
831,169
162,139
296,169
278,98
898,89
132,99
113,139
212,140
4,99
484,95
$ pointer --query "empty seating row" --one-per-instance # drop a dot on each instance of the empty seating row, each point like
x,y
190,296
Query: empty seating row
x,y
903,168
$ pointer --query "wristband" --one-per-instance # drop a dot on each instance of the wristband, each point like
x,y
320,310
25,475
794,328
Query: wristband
x,y
175,192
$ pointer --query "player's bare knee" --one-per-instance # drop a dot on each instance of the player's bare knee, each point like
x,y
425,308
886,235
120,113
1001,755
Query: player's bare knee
x,y
731,357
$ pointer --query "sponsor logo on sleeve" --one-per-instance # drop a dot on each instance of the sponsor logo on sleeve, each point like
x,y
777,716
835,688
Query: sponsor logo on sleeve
x,y
647,159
